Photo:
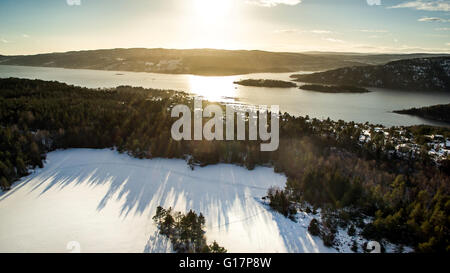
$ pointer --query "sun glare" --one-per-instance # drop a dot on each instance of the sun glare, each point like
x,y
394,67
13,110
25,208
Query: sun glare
x,y
212,11
213,88
212,23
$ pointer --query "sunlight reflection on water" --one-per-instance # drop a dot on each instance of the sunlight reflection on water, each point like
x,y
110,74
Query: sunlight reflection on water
x,y
214,88
375,107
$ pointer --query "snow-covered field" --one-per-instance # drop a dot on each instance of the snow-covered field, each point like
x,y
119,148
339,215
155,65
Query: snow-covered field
x,y
103,201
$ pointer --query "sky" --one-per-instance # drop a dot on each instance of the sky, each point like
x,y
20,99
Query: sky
x,y
373,26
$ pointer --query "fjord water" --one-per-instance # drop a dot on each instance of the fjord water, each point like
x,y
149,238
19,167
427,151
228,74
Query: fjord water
x,y
375,107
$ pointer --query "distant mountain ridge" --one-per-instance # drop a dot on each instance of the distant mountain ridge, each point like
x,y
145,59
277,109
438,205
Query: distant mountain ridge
x,y
197,61
414,74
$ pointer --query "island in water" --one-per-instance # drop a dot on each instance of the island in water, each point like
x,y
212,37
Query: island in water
x,y
334,88
422,74
266,83
439,112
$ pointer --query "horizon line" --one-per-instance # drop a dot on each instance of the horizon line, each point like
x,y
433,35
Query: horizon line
x,y
225,49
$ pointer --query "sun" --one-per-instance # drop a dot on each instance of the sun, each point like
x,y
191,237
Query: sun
x,y
212,11
212,23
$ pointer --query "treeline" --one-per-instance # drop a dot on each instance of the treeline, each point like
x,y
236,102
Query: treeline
x,y
323,160
422,74
38,116
185,231
266,83
436,112
409,202
19,151
334,88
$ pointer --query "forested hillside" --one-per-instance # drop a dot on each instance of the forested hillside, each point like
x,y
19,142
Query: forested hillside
x,y
423,74
328,168
199,61
174,61
436,112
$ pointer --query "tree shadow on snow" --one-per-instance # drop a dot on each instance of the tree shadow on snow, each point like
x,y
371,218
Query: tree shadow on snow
x,y
142,185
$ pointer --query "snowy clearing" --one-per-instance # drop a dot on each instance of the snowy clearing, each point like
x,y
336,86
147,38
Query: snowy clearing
x,y
105,201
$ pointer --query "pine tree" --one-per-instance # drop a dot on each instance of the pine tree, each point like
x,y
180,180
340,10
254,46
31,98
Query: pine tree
x,y
21,168
35,155
354,246
216,248
314,227
4,184
4,170
351,230
167,224
160,215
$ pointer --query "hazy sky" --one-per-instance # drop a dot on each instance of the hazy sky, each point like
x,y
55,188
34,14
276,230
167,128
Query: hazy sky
x,y
30,26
